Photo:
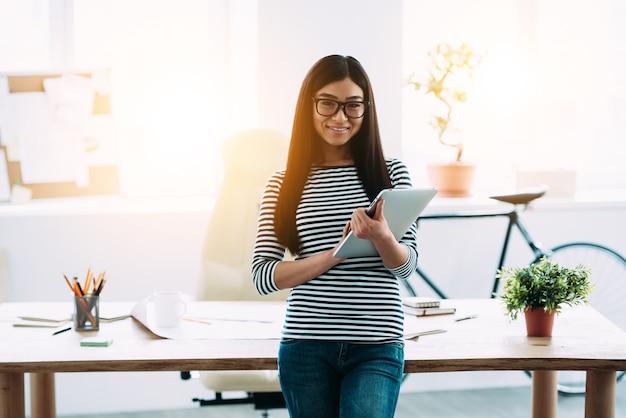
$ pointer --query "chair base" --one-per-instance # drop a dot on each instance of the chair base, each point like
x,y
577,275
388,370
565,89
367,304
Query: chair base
x,y
260,400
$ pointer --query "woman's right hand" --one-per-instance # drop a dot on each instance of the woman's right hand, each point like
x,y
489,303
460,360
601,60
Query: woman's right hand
x,y
346,230
292,273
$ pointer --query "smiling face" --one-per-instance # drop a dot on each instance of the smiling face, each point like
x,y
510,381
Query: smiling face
x,y
337,130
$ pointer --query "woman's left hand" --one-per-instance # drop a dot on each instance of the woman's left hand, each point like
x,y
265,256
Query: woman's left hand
x,y
372,228
377,230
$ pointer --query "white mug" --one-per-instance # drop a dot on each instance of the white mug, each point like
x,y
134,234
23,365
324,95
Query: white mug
x,y
169,308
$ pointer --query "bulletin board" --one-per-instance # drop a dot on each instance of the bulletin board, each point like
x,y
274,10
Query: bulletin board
x,y
103,179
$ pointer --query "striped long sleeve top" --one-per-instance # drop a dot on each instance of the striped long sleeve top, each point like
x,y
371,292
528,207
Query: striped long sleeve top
x,y
358,300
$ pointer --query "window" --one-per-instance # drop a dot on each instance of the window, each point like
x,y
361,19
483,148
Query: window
x,y
181,77
176,85
184,74
550,94
24,35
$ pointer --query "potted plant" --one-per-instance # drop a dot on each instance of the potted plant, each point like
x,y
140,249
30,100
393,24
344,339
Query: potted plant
x,y
450,74
540,290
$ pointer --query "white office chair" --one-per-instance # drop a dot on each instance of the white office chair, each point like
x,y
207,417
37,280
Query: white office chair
x,y
250,157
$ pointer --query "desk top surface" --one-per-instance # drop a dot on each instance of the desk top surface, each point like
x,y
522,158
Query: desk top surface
x,y
583,339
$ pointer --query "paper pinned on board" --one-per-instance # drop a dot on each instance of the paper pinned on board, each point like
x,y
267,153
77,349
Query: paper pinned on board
x,y
54,135
50,150
5,185
71,97
4,109
44,131
4,85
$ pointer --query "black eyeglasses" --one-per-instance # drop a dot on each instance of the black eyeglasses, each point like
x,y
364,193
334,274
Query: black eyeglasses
x,y
328,107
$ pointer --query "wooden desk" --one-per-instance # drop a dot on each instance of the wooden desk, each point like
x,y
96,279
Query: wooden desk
x,y
583,340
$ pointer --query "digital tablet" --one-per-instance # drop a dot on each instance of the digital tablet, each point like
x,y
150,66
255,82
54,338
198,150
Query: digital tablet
x,y
402,208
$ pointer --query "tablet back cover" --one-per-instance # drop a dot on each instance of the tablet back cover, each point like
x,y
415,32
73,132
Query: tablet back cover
x,y
402,208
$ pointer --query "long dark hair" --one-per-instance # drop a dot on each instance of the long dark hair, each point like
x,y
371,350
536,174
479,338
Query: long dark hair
x,y
305,145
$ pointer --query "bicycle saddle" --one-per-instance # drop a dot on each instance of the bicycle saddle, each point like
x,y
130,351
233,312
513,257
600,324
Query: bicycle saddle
x,y
522,197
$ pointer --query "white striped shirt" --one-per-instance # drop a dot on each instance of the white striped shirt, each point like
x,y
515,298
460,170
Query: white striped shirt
x,y
358,300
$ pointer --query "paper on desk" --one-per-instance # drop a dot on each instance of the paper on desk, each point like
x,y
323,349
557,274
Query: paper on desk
x,y
59,318
38,322
199,324
415,326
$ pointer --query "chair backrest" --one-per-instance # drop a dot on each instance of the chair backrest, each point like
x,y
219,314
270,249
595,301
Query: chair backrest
x,y
250,157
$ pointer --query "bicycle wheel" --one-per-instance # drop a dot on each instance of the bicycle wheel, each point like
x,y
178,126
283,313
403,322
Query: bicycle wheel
x,y
608,274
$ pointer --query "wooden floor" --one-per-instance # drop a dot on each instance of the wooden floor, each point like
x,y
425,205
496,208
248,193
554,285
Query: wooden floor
x,y
483,403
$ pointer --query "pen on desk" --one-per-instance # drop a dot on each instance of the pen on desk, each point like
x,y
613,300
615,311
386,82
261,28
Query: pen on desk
x,y
61,330
464,318
197,320
415,335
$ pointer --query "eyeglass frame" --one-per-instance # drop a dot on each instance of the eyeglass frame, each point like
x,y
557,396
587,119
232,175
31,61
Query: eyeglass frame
x,y
340,105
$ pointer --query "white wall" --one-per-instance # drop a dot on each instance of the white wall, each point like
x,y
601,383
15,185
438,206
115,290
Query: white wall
x,y
141,248
293,35
152,244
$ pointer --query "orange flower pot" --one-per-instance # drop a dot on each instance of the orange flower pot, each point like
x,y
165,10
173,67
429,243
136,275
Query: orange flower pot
x,y
452,180
539,323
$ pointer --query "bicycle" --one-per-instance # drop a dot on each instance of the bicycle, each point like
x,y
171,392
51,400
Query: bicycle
x,y
607,265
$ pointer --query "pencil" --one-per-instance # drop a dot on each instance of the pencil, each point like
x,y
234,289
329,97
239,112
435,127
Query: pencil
x,y
86,287
77,289
69,284
87,281
197,320
100,286
97,281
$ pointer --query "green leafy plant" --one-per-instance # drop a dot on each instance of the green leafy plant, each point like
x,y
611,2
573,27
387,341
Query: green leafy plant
x,y
450,75
543,285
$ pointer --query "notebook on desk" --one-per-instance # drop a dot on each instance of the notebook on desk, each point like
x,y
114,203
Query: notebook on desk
x,y
402,208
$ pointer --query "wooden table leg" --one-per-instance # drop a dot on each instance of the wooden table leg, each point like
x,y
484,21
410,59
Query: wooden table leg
x,y
600,395
544,394
12,395
42,395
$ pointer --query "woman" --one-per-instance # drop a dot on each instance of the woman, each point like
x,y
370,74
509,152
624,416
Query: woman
x,y
341,352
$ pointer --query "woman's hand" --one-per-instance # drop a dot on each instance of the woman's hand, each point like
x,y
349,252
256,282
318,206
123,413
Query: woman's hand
x,y
346,230
290,274
373,228
377,230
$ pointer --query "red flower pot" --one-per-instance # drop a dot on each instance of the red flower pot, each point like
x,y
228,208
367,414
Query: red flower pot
x,y
539,323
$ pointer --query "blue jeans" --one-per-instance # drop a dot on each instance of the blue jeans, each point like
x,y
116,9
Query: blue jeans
x,y
324,379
